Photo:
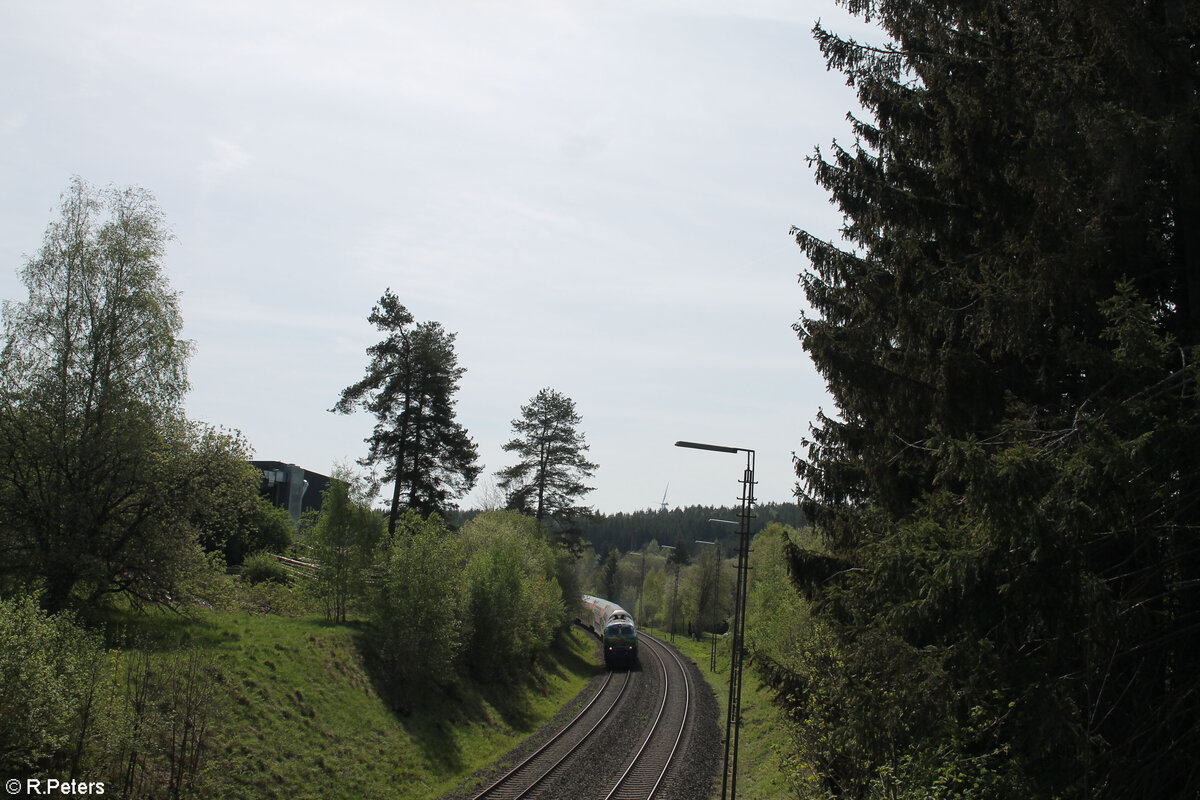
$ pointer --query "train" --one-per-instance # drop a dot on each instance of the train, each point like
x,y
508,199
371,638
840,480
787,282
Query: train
x,y
614,627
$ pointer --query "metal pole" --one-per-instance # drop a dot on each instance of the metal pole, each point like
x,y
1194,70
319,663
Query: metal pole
x,y
733,720
712,658
671,617
716,600
738,655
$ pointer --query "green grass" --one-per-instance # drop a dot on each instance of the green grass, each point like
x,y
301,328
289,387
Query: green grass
x,y
299,715
763,742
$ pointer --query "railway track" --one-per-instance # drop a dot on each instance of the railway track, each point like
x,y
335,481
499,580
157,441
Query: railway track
x,y
620,746
644,776
526,777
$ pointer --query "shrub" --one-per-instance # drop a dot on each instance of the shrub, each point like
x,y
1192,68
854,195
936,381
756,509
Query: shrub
x,y
415,605
261,567
344,538
50,674
514,601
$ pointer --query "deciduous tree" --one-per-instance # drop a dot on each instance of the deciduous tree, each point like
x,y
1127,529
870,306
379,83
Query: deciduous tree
x,y
344,539
92,378
510,574
416,607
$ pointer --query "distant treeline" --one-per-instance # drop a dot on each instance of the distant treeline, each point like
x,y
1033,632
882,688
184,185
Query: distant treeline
x,y
632,531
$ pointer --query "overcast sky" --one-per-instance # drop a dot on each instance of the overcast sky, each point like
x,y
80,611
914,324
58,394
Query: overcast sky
x,y
594,196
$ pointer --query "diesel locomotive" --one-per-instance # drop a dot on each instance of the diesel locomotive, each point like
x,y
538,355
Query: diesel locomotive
x,y
614,627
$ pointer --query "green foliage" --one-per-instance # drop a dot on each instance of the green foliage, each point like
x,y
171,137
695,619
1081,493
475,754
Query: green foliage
x,y
222,502
223,704
261,567
273,598
659,591
633,530
343,541
415,606
548,478
777,617
92,370
298,712
1005,595
269,528
69,707
163,721
608,574
652,605
409,387
514,603
105,487
51,671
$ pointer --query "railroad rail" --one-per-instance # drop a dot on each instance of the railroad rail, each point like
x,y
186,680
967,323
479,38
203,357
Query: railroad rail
x,y
595,747
644,776
523,779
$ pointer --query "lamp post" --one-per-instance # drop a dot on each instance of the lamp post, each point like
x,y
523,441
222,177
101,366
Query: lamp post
x,y
641,585
713,656
733,720
675,591
716,603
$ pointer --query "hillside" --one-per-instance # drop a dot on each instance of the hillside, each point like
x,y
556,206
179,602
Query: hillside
x,y
297,713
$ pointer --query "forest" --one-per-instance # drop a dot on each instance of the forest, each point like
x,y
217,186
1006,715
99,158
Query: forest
x,y
630,531
1005,595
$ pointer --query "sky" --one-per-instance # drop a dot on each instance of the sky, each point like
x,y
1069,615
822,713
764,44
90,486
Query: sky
x,y
595,197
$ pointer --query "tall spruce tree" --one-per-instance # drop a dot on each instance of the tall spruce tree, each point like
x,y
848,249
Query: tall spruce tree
x,y
410,383
1008,491
549,477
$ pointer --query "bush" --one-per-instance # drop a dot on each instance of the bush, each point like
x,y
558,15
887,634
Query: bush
x,y
264,526
261,567
138,722
514,601
278,599
50,673
344,539
415,606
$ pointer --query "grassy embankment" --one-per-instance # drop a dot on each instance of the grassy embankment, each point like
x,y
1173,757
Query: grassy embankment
x,y
298,714
763,742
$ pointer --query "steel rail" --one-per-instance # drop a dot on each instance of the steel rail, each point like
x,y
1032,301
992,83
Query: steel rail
x,y
492,789
650,735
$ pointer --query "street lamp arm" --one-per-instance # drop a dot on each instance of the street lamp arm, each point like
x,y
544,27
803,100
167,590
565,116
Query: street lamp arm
x,y
717,447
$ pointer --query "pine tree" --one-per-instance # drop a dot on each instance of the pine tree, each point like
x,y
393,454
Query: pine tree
x,y
1008,489
549,476
409,386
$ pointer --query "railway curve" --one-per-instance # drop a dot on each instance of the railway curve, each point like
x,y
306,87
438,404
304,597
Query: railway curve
x,y
649,731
